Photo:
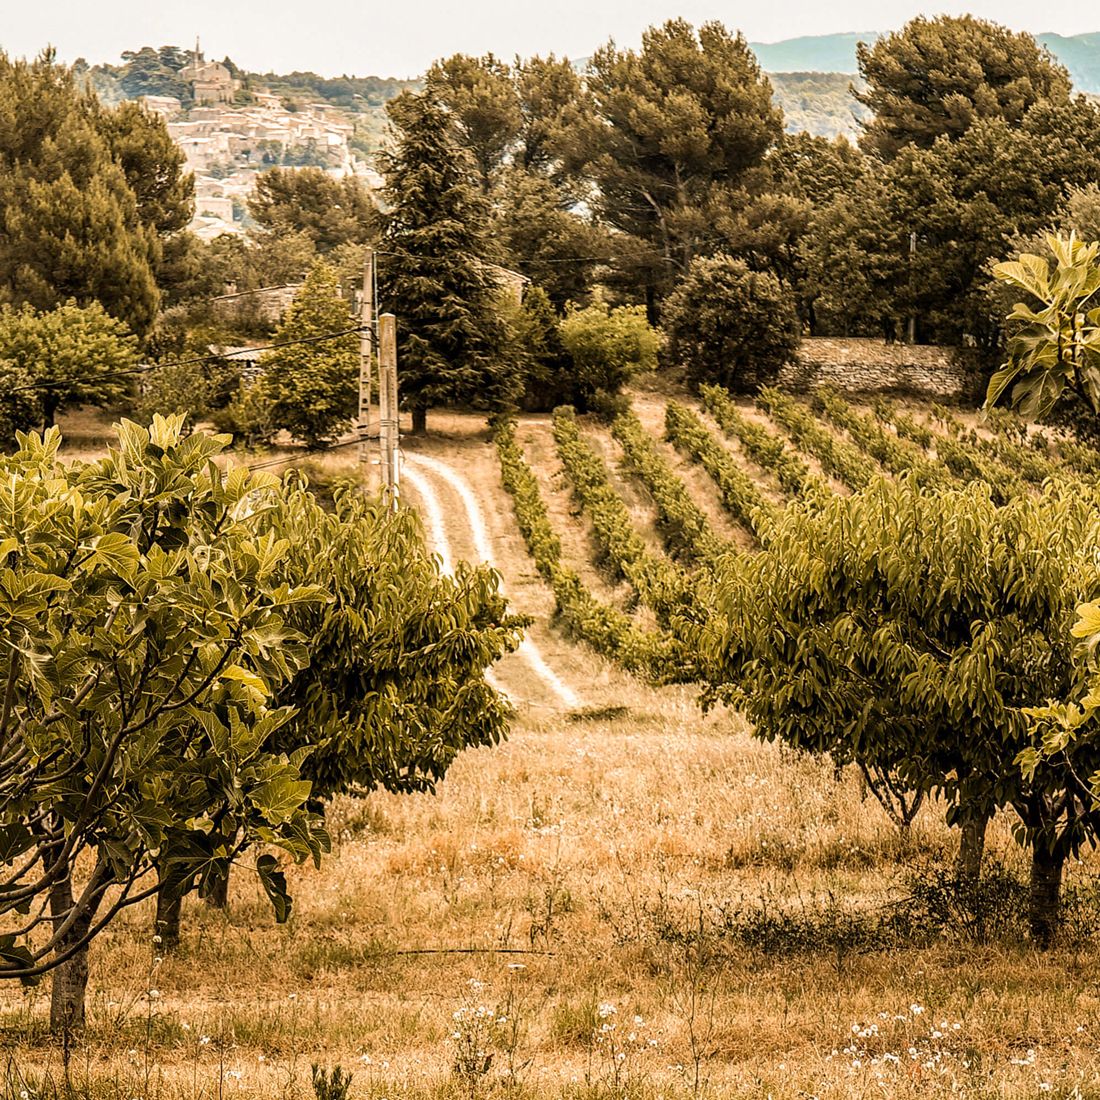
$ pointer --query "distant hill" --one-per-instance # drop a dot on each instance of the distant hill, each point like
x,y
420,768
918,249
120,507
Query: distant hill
x,y
819,103
1080,53
836,53
821,53
811,75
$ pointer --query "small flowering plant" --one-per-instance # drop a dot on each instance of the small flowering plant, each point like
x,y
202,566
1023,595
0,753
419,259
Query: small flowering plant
x,y
477,1033
616,1047
902,1039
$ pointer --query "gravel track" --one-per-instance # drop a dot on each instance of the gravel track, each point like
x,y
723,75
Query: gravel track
x,y
415,470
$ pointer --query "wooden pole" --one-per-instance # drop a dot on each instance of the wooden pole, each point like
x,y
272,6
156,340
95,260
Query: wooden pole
x,y
387,390
366,351
912,316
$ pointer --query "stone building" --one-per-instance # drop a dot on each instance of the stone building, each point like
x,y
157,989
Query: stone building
x,y
211,81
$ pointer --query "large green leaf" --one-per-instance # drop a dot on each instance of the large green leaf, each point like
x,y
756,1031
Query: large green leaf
x,y
274,882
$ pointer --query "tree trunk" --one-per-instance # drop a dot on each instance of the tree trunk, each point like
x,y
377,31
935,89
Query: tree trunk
x,y
169,905
69,981
419,419
968,863
218,898
1045,895
50,405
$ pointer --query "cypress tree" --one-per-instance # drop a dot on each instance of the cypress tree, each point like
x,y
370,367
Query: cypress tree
x,y
435,275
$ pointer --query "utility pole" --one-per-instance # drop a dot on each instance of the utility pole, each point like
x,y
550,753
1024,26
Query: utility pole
x,y
913,315
387,394
366,352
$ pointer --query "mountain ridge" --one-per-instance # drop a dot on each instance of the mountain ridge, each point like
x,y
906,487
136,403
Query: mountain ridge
x,y
836,53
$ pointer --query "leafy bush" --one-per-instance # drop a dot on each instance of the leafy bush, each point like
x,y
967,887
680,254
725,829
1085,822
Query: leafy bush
x,y
249,417
730,325
76,355
904,424
195,692
174,389
20,407
606,346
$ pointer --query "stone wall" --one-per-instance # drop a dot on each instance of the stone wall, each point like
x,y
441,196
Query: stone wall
x,y
861,365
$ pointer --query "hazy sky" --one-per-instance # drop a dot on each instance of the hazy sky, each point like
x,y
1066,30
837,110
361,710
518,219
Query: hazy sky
x,y
402,37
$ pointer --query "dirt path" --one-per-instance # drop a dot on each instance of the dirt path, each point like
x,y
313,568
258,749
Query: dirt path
x,y
418,471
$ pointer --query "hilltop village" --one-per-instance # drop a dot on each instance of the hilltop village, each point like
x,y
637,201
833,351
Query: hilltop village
x,y
228,139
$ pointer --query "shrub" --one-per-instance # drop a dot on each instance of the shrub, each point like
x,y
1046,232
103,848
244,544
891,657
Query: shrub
x,y
606,346
174,389
249,416
20,407
729,325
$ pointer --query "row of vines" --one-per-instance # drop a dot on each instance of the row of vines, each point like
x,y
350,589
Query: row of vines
x,y
899,598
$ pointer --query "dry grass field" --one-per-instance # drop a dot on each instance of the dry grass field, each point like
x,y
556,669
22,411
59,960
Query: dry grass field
x,y
627,899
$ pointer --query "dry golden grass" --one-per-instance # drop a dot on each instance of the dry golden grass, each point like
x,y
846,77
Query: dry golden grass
x,y
661,862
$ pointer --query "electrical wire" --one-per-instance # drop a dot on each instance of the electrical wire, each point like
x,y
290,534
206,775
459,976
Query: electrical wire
x,y
298,458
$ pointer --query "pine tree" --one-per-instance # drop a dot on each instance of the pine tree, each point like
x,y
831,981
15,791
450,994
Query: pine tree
x,y
314,386
155,170
939,76
329,212
670,136
435,278
69,222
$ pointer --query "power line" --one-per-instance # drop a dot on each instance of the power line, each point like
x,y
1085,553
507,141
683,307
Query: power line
x,y
298,458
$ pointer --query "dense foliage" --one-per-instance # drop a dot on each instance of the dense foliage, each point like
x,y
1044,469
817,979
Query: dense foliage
x,y
731,326
665,194
313,385
182,688
605,347
73,225
938,76
330,212
1055,339
149,616
904,631
61,357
